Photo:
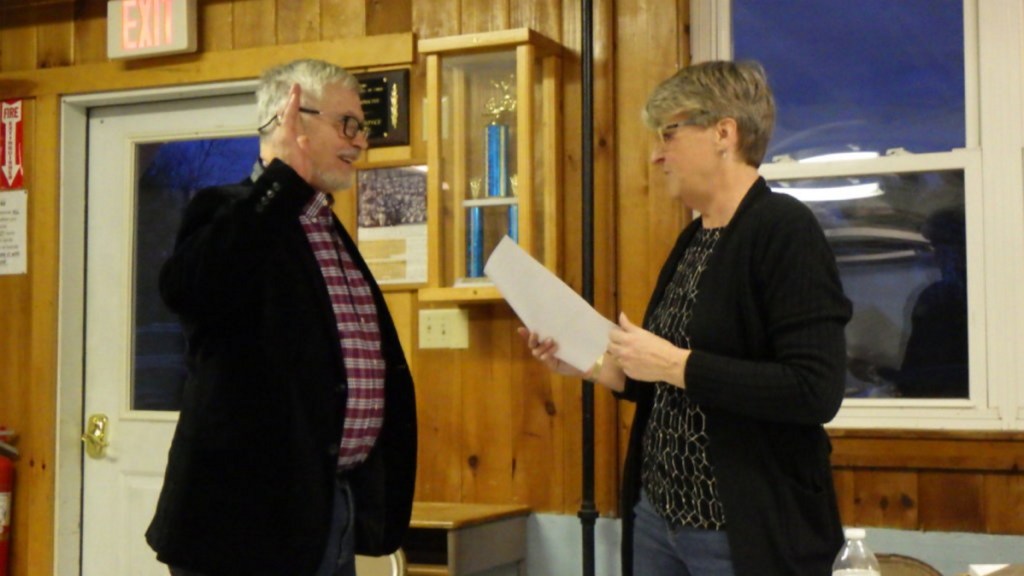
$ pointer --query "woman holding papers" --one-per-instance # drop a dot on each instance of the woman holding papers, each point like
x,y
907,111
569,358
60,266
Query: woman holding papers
x,y
740,358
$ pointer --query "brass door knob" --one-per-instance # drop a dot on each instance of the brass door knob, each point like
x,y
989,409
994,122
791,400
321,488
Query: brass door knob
x,y
95,437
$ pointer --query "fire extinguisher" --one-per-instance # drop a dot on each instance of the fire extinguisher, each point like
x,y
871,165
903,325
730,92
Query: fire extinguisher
x,y
8,454
6,500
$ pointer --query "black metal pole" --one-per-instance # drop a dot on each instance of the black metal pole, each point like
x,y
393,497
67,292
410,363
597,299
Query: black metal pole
x,y
588,511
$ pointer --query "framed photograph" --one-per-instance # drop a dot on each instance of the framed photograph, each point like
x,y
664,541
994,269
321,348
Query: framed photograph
x,y
392,223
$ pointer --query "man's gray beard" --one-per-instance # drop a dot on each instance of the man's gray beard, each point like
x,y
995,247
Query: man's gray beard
x,y
334,183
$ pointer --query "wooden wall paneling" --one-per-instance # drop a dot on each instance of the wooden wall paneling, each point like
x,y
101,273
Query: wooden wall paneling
x,y
666,215
16,393
342,18
649,218
255,23
440,412
438,372
845,495
485,15
402,305
1004,503
28,371
216,26
884,498
435,18
16,396
90,32
983,452
538,471
55,37
950,501
487,402
298,21
18,39
383,50
39,438
544,16
386,17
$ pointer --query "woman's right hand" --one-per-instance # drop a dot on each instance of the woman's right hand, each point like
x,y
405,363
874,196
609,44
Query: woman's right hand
x,y
544,350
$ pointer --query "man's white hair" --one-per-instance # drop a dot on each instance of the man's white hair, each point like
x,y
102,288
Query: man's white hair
x,y
310,75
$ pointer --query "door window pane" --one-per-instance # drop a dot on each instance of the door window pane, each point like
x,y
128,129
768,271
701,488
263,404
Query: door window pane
x,y
869,75
169,174
901,251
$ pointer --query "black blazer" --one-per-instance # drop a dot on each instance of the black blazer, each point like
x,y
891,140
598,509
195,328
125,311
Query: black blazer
x,y
250,474
767,366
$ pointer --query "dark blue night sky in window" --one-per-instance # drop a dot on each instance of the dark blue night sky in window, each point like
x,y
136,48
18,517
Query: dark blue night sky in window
x,y
870,74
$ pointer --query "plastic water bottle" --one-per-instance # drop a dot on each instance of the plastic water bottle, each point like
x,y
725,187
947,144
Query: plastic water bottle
x,y
855,558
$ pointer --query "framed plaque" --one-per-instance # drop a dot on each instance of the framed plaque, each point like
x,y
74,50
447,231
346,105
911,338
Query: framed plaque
x,y
385,99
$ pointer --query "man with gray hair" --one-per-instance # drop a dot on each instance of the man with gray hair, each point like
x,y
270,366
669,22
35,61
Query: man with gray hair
x,y
296,444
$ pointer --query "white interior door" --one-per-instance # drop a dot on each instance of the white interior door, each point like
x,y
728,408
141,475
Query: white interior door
x,y
145,160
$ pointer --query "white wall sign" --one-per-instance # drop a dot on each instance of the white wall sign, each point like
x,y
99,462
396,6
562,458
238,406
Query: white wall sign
x,y
13,227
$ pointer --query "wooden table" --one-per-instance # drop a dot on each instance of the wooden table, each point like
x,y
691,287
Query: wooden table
x,y
455,539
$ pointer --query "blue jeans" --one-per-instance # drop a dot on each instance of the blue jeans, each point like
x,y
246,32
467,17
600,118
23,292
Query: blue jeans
x,y
339,556
659,550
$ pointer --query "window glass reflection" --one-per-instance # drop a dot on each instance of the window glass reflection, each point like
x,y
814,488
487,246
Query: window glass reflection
x,y
865,76
901,249
169,174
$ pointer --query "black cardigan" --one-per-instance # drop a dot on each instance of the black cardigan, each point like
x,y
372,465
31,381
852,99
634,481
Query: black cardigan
x,y
250,474
768,368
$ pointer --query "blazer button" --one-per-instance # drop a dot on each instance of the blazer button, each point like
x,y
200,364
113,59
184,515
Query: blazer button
x,y
332,449
276,186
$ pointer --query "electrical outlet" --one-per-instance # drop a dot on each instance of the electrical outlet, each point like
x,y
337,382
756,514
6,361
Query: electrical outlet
x,y
444,328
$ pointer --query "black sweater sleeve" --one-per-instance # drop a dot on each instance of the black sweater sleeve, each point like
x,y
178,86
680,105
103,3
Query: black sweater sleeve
x,y
797,374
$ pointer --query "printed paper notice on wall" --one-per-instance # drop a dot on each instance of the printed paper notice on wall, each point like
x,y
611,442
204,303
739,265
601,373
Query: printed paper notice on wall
x,y
13,228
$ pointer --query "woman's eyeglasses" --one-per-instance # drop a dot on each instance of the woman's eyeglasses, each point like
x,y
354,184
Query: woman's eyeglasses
x,y
666,132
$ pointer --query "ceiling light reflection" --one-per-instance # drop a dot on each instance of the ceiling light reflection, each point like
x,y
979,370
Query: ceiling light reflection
x,y
833,193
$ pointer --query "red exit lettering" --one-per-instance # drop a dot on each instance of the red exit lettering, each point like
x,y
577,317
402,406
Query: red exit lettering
x,y
146,23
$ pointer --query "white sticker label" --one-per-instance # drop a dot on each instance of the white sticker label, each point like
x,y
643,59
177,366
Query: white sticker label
x,y
5,510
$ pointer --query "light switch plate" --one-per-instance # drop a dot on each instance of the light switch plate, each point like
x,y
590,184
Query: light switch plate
x,y
444,328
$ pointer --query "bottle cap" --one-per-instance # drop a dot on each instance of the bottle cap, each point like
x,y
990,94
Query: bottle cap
x,y
855,533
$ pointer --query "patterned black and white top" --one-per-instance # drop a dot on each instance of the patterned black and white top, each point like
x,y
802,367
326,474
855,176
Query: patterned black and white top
x,y
677,476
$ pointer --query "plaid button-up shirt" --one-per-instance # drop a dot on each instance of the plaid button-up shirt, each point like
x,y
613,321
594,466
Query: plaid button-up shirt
x,y
356,315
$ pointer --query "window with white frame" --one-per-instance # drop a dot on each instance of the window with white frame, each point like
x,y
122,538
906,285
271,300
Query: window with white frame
x,y
908,150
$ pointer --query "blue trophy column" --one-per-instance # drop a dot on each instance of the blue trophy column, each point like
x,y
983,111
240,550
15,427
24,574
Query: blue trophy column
x,y
496,162
475,246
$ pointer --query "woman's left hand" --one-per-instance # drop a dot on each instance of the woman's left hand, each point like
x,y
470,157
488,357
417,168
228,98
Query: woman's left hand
x,y
646,357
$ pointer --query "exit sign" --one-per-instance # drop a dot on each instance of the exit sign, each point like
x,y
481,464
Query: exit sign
x,y
137,28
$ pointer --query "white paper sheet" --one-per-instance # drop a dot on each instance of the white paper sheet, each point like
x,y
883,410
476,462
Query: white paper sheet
x,y
548,306
986,569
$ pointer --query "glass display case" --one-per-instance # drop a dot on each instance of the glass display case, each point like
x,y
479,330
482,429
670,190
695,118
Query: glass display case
x,y
494,154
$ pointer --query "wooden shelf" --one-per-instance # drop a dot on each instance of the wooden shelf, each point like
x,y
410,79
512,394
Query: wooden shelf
x,y
456,539
481,294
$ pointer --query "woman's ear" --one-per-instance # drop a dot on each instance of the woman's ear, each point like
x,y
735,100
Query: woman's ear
x,y
727,129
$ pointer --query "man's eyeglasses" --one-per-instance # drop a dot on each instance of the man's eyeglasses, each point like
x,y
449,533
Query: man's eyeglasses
x,y
350,126
666,132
